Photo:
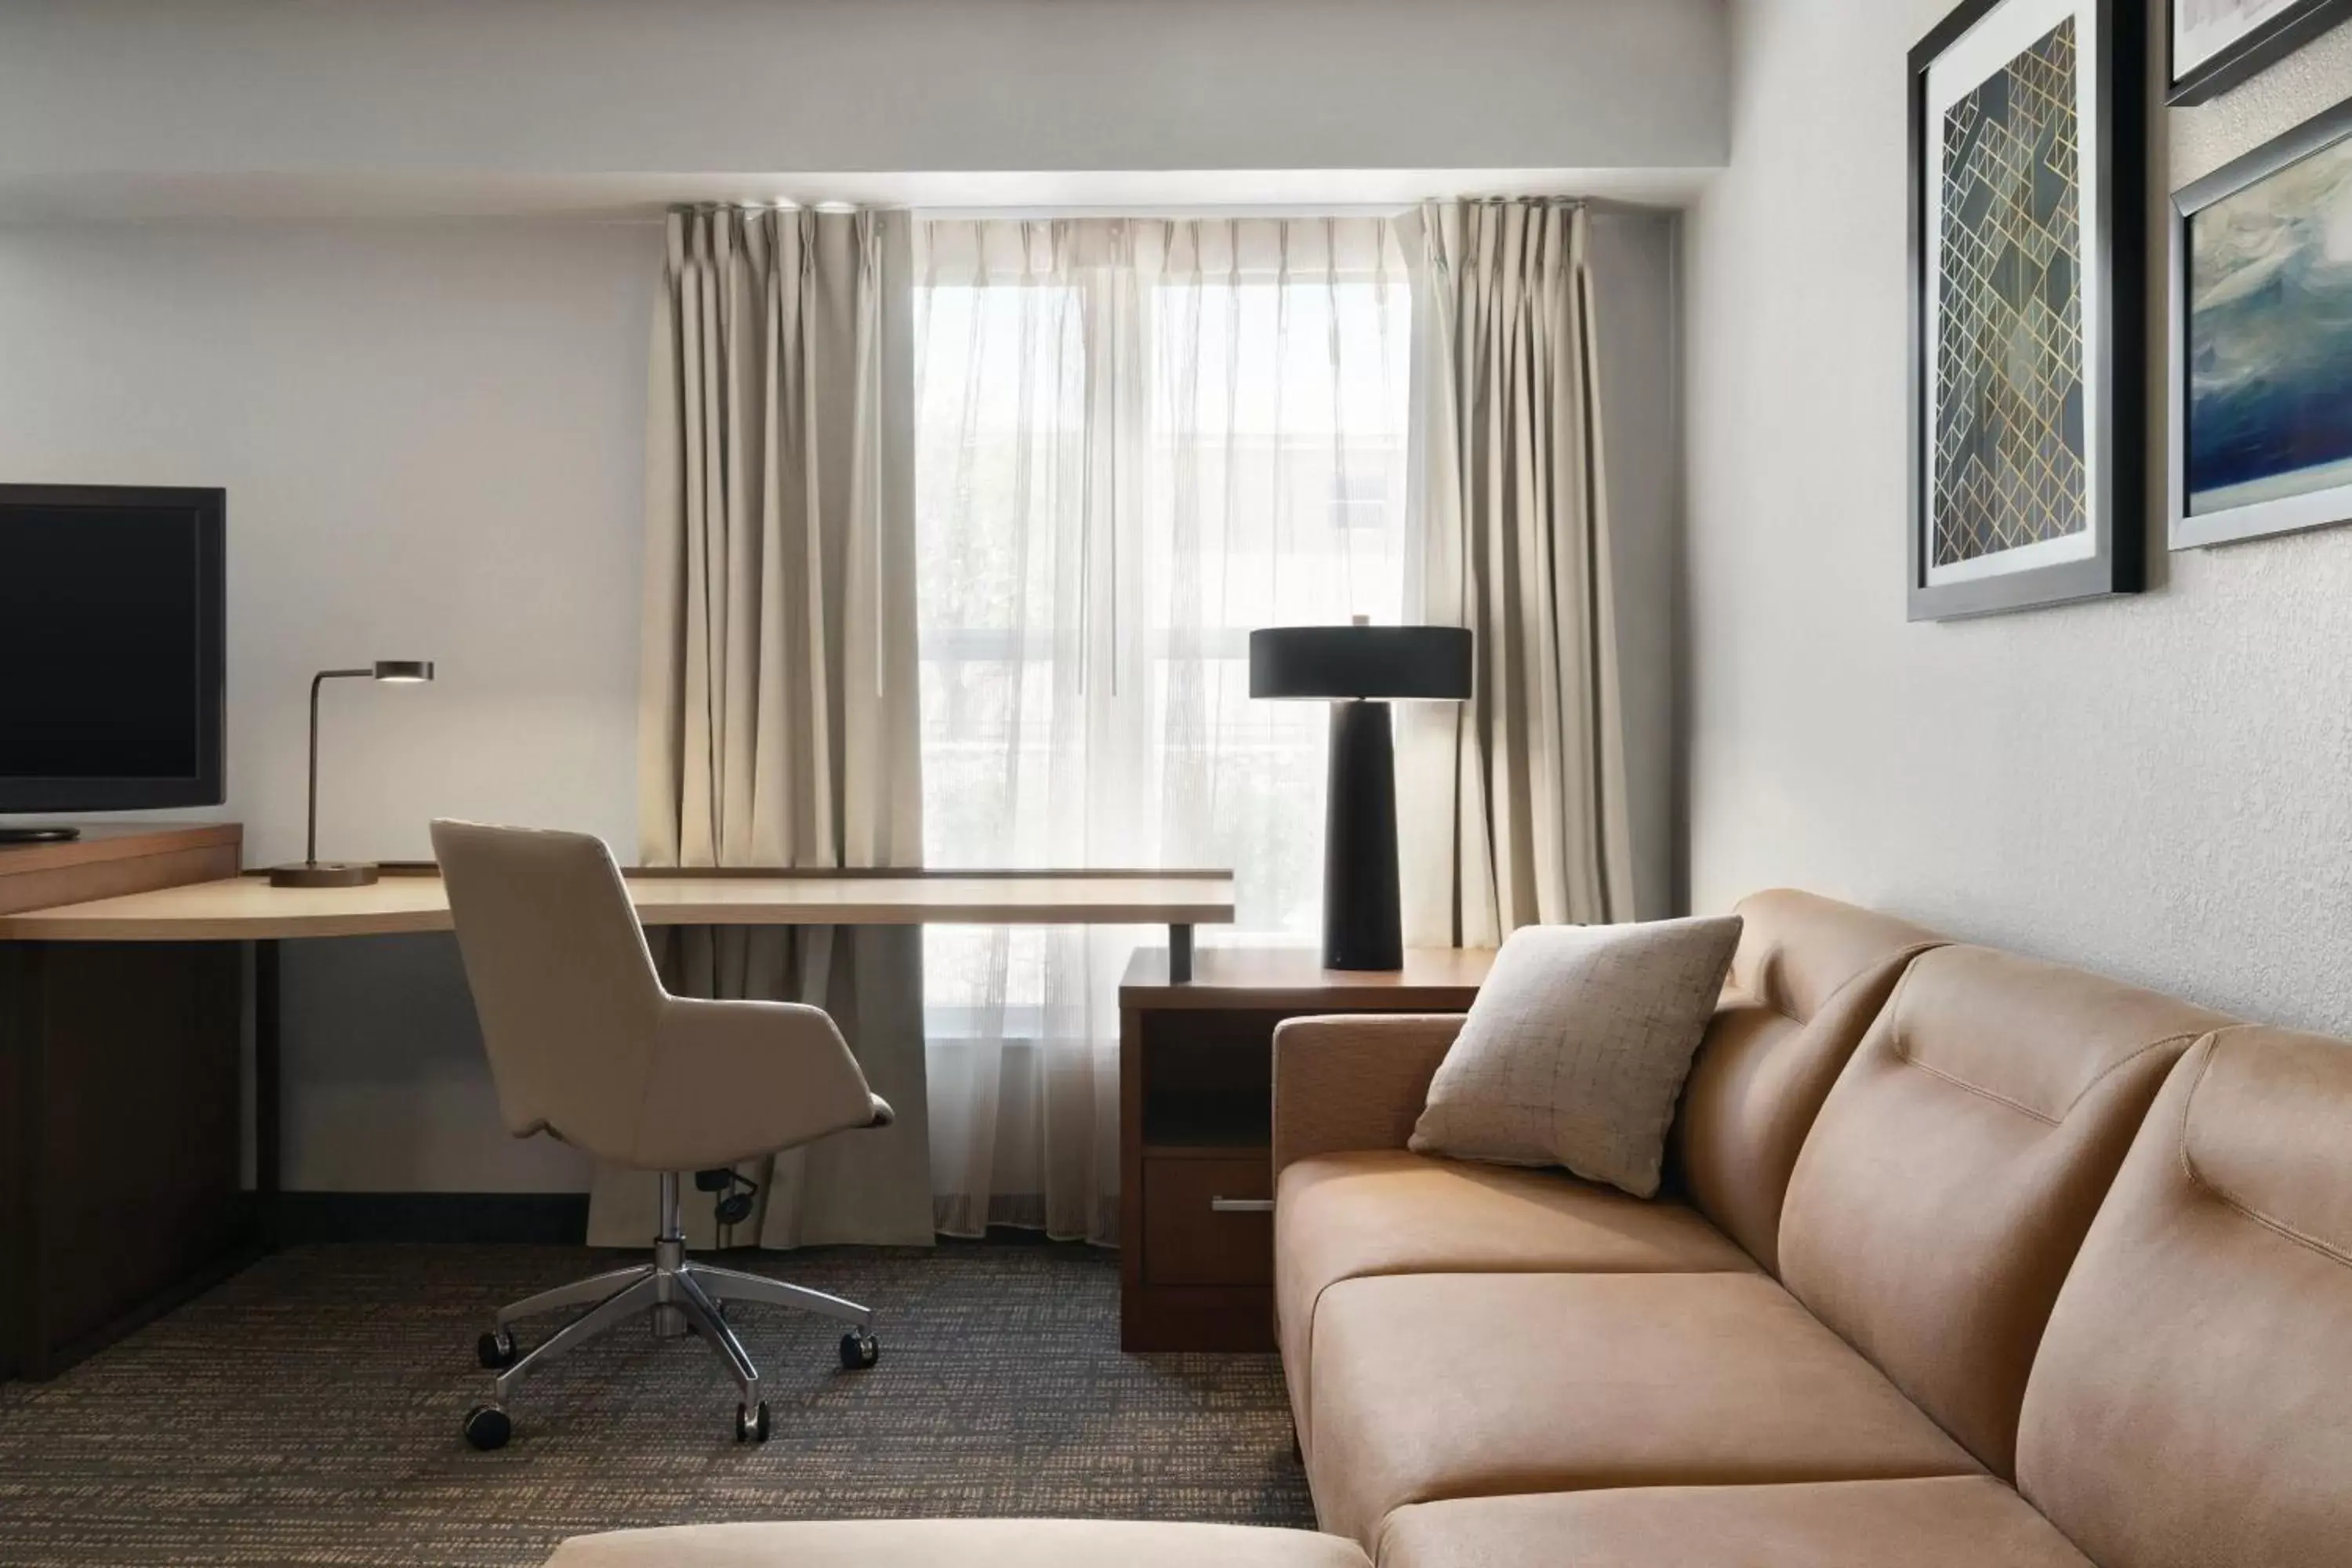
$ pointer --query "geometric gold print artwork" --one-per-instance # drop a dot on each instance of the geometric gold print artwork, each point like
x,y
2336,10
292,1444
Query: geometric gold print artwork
x,y
2009,386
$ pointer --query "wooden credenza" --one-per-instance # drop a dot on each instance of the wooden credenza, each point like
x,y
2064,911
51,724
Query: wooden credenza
x,y
121,1101
1196,1126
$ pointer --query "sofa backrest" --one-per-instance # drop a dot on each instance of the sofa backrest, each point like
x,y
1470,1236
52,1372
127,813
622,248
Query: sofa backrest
x,y
1952,1174
2192,1401
1809,976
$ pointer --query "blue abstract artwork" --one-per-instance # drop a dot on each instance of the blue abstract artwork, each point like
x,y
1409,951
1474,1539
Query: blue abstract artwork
x,y
2269,329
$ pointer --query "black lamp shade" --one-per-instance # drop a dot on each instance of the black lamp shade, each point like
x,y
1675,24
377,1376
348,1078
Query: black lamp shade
x,y
1424,663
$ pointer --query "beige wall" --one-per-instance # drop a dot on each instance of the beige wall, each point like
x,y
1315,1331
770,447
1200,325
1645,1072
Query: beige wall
x,y
432,436
2160,787
1633,273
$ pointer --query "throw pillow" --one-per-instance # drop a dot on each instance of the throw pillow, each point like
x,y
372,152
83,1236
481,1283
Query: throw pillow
x,y
1575,1051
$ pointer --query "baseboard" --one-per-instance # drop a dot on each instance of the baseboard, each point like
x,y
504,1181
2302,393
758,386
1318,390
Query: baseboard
x,y
309,1219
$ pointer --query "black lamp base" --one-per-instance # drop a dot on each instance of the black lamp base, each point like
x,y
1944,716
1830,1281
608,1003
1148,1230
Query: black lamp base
x,y
1362,926
323,874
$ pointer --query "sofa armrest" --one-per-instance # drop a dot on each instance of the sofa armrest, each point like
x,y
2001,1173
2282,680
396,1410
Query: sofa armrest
x,y
1353,1083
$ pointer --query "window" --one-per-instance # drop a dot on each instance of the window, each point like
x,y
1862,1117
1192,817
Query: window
x,y
1136,442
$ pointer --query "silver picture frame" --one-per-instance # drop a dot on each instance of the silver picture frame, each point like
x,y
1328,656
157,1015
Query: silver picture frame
x,y
2258,516
2267,35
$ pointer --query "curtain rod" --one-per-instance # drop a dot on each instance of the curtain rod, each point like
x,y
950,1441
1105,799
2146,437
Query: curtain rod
x,y
1180,211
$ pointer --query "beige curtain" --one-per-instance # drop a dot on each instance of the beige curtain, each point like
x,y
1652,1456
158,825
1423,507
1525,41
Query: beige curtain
x,y
780,714
1525,783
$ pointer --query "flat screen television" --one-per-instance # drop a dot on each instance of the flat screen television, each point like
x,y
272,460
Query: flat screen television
x,y
112,666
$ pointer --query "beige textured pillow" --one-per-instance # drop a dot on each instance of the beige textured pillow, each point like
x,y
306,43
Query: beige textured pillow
x,y
1576,1049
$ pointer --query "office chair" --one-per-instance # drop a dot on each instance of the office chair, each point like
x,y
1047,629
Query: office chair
x,y
585,1044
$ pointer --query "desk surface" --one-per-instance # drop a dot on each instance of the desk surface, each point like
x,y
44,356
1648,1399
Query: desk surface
x,y
1266,975
247,909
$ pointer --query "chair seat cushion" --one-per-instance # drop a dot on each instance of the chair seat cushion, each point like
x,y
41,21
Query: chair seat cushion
x,y
1347,1216
958,1543
1432,1386
1957,1521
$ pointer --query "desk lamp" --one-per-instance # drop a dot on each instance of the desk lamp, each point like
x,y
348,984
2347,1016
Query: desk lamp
x,y
311,872
1356,667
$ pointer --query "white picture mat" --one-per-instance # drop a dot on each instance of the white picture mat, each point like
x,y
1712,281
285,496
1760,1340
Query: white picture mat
x,y
2204,29
1979,54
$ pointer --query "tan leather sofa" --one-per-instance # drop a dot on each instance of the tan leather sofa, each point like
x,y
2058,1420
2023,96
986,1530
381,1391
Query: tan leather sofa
x,y
1923,1362
1970,1262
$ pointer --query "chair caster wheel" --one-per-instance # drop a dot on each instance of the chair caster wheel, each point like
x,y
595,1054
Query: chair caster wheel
x,y
859,1352
495,1349
487,1428
749,1428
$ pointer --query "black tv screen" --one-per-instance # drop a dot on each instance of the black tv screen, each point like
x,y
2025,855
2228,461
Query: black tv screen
x,y
111,682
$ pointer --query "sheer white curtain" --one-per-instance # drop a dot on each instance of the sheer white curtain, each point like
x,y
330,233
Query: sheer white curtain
x,y
1136,441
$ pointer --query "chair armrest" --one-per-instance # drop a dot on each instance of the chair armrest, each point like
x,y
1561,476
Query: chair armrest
x,y
733,1080
1355,1081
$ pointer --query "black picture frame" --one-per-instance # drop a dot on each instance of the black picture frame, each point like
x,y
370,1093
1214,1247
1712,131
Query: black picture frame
x,y
2322,508
2257,51
2115,354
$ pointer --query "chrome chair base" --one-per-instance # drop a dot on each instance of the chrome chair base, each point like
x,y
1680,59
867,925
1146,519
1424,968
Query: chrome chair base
x,y
679,1296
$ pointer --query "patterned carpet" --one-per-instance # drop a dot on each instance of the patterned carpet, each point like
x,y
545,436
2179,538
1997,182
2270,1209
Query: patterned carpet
x,y
308,1412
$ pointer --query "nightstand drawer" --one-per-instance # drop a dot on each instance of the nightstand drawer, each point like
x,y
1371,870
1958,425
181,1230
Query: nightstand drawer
x,y
1195,1231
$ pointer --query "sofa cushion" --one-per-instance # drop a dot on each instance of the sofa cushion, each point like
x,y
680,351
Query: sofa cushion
x,y
2192,1401
1807,983
1386,1211
1950,1179
1428,1386
958,1543
1951,1521
1575,1052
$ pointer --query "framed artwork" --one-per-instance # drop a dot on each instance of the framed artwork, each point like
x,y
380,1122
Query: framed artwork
x,y
2262,340
2028,274
2217,44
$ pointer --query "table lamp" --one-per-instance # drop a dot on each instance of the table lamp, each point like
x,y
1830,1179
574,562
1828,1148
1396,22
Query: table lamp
x,y
1356,668
312,872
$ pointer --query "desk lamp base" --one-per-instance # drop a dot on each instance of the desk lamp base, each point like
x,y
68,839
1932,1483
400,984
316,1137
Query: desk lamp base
x,y
323,874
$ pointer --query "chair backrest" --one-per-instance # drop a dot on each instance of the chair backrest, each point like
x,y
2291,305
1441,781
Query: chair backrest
x,y
562,979
1808,980
1950,1179
2192,1401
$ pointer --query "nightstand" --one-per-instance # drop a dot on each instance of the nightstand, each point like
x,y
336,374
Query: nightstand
x,y
1196,1120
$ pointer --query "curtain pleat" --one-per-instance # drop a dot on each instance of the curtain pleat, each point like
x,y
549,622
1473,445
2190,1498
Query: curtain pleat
x,y
1525,783
779,720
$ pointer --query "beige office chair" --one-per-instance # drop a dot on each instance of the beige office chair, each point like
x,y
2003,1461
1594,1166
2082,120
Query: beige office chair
x,y
586,1044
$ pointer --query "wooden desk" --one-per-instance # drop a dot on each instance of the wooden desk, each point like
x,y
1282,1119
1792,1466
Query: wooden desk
x,y
119,1020
247,909
1196,1126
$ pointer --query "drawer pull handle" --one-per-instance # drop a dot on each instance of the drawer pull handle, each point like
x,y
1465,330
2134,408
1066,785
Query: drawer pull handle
x,y
1241,1206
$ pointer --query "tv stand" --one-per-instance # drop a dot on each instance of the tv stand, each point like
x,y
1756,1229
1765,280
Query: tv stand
x,y
38,835
122,1109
